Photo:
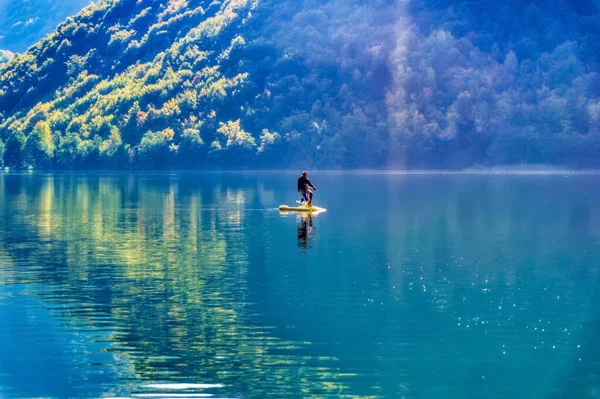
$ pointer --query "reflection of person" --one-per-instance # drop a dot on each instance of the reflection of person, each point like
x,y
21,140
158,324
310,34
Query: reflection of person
x,y
303,184
305,230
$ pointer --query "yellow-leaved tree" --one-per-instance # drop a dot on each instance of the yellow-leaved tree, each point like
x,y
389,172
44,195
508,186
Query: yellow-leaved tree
x,y
236,136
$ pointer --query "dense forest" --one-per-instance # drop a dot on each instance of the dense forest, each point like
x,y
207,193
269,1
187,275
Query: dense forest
x,y
263,83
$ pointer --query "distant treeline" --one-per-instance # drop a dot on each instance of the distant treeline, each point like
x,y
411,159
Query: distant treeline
x,y
265,83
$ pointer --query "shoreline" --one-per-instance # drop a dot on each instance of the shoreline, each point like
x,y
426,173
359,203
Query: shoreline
x,y
375,172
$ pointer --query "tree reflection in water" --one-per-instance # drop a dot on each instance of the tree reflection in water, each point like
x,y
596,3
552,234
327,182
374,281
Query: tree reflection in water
x,y
162,263
195,278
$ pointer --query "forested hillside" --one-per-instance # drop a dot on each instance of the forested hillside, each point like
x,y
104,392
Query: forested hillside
x,y
264,83
22,22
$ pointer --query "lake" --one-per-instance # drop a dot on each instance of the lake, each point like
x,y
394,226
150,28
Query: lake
x,y
191,285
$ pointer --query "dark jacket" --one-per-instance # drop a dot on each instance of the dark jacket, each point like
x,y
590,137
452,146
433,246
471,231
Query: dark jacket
x,y
303,182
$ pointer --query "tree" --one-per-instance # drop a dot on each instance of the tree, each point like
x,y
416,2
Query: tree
x,y
155,147
70,151
267,139
112,144
39,146
236,136
13,150
191,147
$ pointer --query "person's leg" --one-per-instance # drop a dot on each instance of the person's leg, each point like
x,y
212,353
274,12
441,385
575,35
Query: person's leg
x,y
310,194
303,194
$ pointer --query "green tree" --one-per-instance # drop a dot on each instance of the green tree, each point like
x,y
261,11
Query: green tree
x,y
267,140
70,151
191,148
39,146
13,149
155,147
112,144
236,136
64,49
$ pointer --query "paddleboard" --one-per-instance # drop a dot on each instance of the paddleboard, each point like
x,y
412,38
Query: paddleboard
x,y
302,208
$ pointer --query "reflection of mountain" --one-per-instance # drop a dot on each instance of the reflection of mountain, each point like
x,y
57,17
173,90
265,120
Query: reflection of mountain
x,y
430,281
162,262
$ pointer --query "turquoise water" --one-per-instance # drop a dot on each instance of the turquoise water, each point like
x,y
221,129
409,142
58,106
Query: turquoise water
x,y
194,285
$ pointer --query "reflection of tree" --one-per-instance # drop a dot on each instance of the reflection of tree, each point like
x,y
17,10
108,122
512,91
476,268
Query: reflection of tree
x,y
166,260
181,274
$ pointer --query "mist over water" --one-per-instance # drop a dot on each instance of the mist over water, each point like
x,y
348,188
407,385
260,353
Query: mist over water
x,y
194,284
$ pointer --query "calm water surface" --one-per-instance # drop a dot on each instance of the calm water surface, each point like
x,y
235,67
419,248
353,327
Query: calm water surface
x,y
194,285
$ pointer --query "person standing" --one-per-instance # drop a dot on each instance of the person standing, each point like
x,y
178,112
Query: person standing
x,y
303,185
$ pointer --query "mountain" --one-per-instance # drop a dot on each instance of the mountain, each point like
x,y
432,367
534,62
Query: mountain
x,y
23,22
265,83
